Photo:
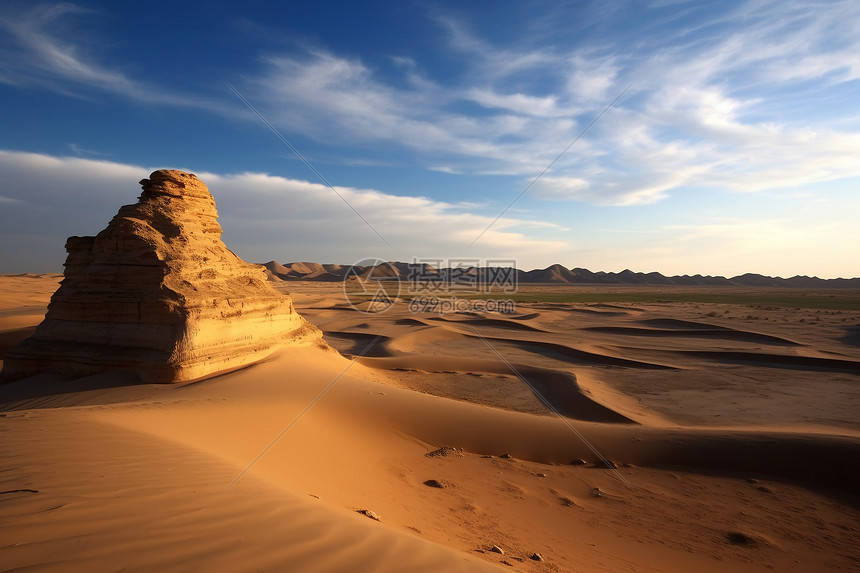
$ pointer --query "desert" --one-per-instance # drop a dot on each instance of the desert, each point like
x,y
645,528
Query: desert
x,y
680,435
348,287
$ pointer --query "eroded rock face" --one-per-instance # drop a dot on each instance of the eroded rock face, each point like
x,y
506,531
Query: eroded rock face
x,y
159,292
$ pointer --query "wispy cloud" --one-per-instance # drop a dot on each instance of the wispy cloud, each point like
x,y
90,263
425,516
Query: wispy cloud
x,y
518,103
728,100
715,108
42,48
80,151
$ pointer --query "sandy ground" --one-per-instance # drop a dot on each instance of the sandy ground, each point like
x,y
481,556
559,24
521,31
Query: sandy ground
x,y
733,437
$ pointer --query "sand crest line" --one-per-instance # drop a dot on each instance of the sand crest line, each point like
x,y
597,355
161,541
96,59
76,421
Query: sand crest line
x,y
307,408
552,408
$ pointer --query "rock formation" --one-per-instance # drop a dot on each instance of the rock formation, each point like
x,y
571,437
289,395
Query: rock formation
x,y
159,292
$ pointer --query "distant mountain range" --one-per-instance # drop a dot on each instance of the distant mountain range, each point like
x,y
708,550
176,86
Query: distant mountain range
x,y
554,274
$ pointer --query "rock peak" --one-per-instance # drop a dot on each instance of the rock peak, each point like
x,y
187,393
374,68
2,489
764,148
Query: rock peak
x,y
174,183
157,291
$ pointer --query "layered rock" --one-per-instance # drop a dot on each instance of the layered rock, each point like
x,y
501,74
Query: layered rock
x,y
159,292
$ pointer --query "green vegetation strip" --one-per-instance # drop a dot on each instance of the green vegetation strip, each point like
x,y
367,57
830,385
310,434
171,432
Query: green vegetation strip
x,y
837,301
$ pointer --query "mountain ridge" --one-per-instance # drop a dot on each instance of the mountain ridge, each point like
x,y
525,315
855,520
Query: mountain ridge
x,y
553,274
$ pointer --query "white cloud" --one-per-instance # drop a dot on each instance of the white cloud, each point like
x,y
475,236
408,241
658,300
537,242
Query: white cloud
x,y
592,78
518,103
269,217
278,211
563,188
264,216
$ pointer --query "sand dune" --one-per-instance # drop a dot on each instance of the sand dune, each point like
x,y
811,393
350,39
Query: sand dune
x,y
496,323
728,465
781,360
726,333
140,502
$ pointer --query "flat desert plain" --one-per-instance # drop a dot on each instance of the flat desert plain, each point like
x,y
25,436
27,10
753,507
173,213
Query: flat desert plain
x,y
593,429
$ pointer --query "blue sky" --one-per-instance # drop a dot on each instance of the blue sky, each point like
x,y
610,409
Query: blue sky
x,y
735,149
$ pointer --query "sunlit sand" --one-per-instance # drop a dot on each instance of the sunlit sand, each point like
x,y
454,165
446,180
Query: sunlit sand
x,y
733,443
